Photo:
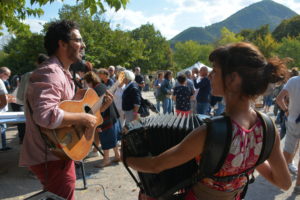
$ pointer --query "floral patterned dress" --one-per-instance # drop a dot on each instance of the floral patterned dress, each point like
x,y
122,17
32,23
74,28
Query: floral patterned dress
x,y
244,152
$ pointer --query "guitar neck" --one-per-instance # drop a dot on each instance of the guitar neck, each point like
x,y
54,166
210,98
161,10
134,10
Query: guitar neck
x,y
112,89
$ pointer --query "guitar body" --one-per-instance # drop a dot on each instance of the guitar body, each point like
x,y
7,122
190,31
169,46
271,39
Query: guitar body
x,y
74,142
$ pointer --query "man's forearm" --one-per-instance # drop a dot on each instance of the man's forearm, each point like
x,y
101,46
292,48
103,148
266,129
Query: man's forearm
x,y
280,100
3,101
281,103
70,119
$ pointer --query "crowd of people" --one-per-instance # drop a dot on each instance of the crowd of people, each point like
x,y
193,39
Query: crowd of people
x,y
240,73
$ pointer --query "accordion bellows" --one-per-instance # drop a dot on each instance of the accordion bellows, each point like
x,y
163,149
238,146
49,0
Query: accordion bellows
x,y
153,135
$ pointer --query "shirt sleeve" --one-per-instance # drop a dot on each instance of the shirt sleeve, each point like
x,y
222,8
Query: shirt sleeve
x,y
136,96
2,88
289,86
46,92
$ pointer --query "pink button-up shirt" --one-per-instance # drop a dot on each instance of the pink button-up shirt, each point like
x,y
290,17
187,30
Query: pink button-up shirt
x,y
48,85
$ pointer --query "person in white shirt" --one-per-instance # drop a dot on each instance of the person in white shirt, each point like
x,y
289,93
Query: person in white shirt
x,y
292,111
118,99
4,100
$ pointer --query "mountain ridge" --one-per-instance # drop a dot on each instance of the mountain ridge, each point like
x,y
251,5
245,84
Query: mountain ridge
x,y
250,17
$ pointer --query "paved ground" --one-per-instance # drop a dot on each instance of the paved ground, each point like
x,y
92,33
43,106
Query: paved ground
x,y
112,182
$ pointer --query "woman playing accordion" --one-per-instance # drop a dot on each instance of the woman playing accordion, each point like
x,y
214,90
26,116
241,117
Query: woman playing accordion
x,y
240,74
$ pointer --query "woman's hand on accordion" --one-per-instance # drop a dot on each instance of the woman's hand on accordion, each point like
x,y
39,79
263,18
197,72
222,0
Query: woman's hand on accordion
x,y
187,149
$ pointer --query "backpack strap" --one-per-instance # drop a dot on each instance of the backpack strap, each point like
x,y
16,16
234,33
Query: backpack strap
x,y
219,130
269,134
217,145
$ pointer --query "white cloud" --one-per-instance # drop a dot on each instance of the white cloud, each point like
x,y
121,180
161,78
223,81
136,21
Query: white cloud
x,y
292,4
5,38
212,11
36,25
129,20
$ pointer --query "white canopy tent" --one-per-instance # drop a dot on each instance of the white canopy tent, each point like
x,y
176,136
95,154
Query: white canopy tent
x,y
197,65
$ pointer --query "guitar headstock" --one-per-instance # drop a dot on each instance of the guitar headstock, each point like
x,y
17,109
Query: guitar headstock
x,y
121,77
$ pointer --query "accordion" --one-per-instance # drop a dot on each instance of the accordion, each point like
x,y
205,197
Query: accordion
x,y
153,135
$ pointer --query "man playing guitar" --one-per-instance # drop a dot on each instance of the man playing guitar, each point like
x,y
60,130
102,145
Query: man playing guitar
x,y
50,84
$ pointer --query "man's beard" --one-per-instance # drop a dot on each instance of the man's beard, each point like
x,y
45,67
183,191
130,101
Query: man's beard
x,y
76,57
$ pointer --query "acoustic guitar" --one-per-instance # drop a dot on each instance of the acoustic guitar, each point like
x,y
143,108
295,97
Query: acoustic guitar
x,y
74,142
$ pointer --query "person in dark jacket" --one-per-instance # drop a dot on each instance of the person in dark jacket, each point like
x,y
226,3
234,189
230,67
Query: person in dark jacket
x,y
204,91
131,98
166,90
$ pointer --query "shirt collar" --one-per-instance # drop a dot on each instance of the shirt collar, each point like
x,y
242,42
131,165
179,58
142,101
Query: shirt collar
x,y
129,84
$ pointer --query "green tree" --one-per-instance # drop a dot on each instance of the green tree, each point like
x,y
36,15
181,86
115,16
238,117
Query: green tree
x,y
205,50
252,35
104,46
290,47
266,44
186,54
189,52
228,37
12,12
247,34
288,27
156,55
21,53
262,32
3,55
125,49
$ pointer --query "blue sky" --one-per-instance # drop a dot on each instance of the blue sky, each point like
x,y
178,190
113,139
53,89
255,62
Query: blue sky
x,y
170,17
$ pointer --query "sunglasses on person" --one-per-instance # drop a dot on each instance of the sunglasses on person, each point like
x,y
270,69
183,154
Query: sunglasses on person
x,y
78,40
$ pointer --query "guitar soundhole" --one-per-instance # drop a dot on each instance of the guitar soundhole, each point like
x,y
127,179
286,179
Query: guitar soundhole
x,y
67,139
87,109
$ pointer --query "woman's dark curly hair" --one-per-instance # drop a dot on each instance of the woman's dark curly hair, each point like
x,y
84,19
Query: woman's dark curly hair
x,y
91,77
167,74
58,30
251,65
